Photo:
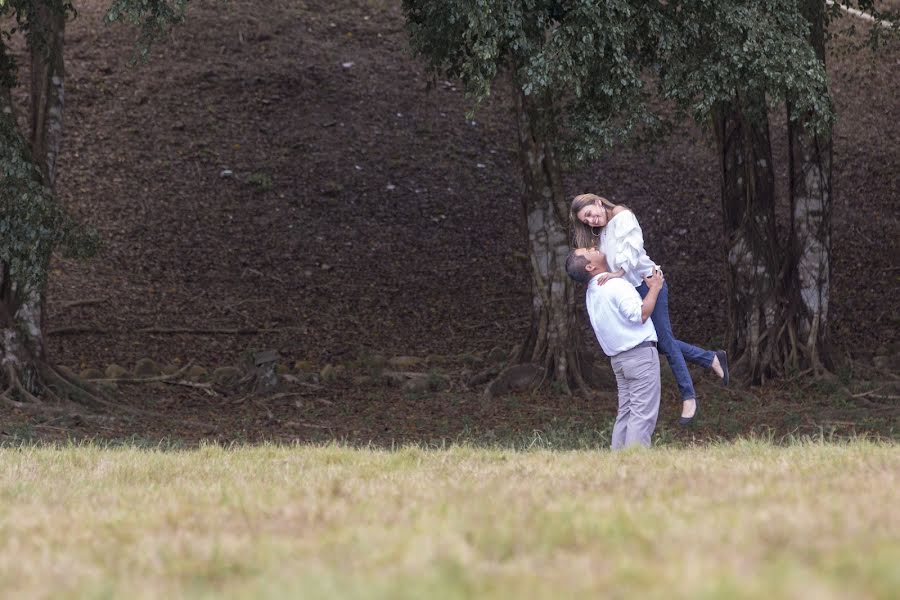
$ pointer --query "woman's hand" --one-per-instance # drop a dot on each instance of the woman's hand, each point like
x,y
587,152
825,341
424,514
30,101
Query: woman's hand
x,y
604,277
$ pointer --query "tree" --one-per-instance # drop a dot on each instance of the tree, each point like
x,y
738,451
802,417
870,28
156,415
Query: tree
x,y
576,87
733,61
728,62
32,223
810,155
754,256
578,72
809,244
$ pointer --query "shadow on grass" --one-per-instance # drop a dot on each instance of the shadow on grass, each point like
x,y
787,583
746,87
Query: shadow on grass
x,y
560,438
777,413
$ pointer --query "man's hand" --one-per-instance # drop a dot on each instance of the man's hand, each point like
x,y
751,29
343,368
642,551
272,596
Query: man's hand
x,y
655,280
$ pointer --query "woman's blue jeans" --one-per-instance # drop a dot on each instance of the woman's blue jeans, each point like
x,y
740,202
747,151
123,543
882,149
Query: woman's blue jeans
x,y
678,353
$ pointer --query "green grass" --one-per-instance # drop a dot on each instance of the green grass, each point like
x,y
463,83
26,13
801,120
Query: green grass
x,y
739,520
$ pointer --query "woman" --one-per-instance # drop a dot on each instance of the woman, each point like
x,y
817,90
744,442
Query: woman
x,y
615,231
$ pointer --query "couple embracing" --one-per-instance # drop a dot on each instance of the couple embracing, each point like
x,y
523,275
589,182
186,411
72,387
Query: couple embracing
x,y
628,305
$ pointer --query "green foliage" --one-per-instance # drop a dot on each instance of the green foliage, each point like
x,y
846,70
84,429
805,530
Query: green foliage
x,y
585,57
262,181
711,52
887,22
24,15
152,17
598,61
24,11
8,68
32,223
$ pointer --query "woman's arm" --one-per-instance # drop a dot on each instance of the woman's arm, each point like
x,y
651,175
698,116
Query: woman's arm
x,y
604,277
629,244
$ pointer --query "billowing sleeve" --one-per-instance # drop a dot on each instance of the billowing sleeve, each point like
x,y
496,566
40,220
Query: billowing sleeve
x,y
630,304
629,242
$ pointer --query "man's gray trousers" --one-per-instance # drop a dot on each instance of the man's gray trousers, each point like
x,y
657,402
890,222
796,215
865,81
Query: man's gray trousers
x,y
637,376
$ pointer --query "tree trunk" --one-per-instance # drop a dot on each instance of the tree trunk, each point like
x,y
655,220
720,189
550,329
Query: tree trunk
x,y
21,341
754,256
21,305
47,90
554,339
811,202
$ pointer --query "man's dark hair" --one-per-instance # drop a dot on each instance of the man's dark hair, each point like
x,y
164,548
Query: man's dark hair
x,y
575,267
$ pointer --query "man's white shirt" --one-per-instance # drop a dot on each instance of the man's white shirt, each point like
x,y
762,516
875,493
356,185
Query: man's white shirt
x,y
615,312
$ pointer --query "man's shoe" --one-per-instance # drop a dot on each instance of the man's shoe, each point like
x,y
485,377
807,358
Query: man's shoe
x,y
723,362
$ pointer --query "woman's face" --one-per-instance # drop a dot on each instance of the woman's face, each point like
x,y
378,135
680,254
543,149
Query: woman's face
x,y
593,215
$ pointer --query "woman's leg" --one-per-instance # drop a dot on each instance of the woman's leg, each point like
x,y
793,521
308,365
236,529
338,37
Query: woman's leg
x,y
694,354
676,351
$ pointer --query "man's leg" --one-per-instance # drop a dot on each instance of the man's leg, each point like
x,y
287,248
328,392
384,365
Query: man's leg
x,y
642,372
619,428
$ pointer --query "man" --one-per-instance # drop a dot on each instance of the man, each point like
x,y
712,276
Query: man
x,y
621,322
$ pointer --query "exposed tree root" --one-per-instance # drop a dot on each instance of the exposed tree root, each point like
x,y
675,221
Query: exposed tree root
x,y
155,379
79,394
81,389
34,405
85,302
874,369
789,357
15,385
207,387
35,409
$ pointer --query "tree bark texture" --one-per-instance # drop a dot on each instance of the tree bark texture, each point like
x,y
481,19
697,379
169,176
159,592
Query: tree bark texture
x,y
554,340
22,350
47,90
811,210
21,339
754,256
21,346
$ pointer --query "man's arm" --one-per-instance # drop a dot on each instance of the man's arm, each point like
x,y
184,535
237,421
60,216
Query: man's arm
x,y
655,283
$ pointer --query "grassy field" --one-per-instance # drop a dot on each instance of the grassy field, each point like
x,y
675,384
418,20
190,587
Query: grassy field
x,y
741,520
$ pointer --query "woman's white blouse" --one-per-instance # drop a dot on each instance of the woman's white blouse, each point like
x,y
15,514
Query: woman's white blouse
x,y
622,241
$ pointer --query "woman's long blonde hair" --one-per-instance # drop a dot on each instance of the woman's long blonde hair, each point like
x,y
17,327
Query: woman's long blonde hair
x,y
582,236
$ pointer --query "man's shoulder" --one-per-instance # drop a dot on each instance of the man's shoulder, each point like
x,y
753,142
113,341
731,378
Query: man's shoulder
x,y
618,285
614,287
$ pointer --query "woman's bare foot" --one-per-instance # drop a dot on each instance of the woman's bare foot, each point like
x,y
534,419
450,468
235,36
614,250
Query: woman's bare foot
x,y
688,409
717,367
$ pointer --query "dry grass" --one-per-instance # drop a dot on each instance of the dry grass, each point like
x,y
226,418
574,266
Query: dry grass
x,y
811,520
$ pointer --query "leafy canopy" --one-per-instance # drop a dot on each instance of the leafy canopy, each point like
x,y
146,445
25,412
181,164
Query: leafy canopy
x,y
582,55
153,18
32,222
710,52
614,67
